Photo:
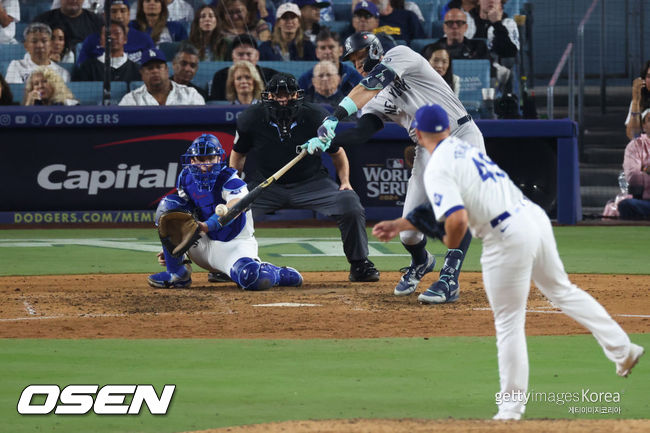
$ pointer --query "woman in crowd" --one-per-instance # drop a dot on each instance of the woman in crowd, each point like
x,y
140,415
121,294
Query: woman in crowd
x,y
244,84
288,41
6,97
205,36
46,87
640,102
61,52
441,62
38,44
152,18
241,16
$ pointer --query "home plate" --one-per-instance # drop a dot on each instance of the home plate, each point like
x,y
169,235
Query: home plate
x,y
287,304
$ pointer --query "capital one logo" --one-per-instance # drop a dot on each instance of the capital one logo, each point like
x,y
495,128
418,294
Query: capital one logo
x,y
81,399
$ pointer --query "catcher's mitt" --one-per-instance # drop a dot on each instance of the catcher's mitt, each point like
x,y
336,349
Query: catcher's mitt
x,y
178,231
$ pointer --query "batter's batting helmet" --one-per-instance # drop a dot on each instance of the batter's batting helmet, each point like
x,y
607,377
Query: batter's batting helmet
x,y
204,173
360,41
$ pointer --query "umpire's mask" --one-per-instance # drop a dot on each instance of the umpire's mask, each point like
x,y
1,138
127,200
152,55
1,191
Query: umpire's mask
x,y
283,98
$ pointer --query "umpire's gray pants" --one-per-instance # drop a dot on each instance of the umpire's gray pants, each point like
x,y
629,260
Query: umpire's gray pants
x,y
321,195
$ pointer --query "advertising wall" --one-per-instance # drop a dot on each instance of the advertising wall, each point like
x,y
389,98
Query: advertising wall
x,y
113,164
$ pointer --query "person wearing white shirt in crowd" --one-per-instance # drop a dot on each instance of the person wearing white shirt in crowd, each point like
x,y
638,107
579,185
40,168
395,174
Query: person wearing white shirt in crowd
x,y
467,189
38,44
179,10
158,89
9,15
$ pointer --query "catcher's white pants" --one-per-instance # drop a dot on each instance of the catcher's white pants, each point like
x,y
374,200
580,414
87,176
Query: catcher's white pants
x,y
521,247
220,256
415,192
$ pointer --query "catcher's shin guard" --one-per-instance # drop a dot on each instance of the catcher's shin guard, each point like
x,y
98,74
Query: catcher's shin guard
x,y
253,275
174,264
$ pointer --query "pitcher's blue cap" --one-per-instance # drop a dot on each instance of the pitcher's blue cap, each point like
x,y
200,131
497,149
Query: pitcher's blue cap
x,y
431,118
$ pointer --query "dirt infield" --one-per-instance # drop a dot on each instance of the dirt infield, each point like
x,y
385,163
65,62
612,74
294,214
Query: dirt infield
x,y
326,306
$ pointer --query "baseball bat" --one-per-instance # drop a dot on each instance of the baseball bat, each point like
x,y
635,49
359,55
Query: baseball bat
x,y
243,204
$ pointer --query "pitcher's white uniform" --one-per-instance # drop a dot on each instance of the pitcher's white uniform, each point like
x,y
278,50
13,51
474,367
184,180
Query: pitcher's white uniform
x,y
518,244
418,85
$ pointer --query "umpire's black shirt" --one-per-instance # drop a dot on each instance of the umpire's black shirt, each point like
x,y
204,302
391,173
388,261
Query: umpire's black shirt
x,y
256,132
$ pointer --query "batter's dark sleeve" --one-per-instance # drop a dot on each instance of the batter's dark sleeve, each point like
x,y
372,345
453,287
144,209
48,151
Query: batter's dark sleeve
x,y
366,127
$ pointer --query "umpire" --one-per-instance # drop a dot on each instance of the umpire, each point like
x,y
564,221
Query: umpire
x,y
273,129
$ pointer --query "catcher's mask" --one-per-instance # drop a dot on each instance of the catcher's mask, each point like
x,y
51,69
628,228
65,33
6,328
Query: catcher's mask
x,y
283,98
204,160
364,41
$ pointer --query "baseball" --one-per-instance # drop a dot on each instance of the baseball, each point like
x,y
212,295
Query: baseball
x,y
221,209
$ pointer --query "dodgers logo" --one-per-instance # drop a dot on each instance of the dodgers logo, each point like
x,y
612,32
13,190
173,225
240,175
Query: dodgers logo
x,y
437,199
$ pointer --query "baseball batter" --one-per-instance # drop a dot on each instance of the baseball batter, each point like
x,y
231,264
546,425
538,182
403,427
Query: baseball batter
x,y
206,185
465,189
396,84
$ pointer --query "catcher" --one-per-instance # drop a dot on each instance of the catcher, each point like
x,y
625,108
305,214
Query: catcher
x,y
207,188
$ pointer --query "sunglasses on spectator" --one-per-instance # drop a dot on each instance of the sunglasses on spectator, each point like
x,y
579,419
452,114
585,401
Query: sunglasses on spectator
x,y
456,22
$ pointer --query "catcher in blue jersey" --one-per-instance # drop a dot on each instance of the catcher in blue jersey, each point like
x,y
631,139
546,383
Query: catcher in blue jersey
x,y
206,189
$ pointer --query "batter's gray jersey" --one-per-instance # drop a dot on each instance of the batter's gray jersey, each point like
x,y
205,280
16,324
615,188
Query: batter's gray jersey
x,y
418,85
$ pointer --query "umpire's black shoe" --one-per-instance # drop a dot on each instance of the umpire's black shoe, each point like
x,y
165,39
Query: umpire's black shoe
x,y
218,277
363,271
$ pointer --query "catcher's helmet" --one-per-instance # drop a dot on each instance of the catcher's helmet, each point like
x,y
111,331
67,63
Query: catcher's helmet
x,y
361,41
283,113
204,173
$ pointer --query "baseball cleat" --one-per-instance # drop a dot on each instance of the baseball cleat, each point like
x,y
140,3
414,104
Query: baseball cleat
x,y
168,280
507,416
289,277
218,277
413,275
363,271
443,291
625,367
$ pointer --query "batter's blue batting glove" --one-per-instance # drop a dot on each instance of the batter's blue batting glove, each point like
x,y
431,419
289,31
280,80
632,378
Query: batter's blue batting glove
x,y
315,144
213,223
326,132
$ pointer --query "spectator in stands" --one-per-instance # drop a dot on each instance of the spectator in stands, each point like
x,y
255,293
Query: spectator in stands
x,y
180,11
326,83
636,165
6,97
244,84
152,18
310,17
328,47
61,52
365,18
205,36
9,15
455,41
466,6
38,44
45,87
408,5
640,102
158,89
288,41
185,66
244,47
241,16
122,69
136,41
440,60
398,22
502,39
77,22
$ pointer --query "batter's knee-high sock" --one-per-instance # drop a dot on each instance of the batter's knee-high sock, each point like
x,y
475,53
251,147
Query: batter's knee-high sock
x,y
455,257
174,264
418,251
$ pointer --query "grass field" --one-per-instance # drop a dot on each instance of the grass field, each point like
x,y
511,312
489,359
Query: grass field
x,y
235,382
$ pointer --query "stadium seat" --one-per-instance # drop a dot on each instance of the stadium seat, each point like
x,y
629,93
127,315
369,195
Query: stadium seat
x,y
419,44
87,92
67,66
429,9
118,90
474,75
342,11
20,29
206,71
169,49
437,31
12,52
4,64
134,85
18,91
338,26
